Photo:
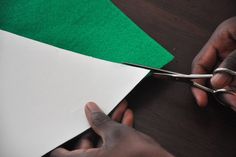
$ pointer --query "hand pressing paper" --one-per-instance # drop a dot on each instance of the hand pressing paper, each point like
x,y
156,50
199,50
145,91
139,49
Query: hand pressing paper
x,y
43,90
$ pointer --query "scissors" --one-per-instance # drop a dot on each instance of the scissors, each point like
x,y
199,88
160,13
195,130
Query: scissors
x,y
220,94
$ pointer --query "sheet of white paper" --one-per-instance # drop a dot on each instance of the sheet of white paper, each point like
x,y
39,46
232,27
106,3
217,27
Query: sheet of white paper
x,y
43,90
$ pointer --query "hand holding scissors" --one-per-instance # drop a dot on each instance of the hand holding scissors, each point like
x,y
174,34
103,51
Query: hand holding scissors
x,y
219,51
225,96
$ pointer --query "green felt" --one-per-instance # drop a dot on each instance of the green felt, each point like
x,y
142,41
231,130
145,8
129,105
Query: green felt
x,y
92,27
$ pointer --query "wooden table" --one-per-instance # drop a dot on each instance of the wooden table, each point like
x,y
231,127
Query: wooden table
x,y
167,110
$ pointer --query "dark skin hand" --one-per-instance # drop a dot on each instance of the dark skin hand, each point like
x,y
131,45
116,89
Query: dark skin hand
x,y
219,51
117,140
121,140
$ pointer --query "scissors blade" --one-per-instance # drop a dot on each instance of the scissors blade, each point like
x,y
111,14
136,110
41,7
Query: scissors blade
x,y
152,69
171,74
185,76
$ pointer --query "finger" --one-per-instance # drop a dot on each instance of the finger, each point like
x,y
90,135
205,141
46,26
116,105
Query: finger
x,y
86,141
85,144
200,97
202,64
97,119
128,118
94,152
117,116
221,79
119,111
205,61
59,152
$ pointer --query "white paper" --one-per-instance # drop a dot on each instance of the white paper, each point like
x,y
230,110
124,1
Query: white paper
x,y
43,90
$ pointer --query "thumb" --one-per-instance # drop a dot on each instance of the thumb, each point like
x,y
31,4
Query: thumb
x,y
222,79
97,119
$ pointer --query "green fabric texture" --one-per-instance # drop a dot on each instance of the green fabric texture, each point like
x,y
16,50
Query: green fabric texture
x,y
92,27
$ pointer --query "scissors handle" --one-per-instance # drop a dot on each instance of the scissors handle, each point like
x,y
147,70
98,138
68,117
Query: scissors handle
x,y
225,70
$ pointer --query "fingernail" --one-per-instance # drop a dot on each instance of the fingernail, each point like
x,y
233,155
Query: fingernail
x,y
92,107
220,80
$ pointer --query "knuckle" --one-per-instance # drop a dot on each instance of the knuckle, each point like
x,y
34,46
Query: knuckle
x,y
199,65
116,132
229,22
230,61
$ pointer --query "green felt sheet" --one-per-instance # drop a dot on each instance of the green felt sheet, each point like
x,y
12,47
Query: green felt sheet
x,y
92,27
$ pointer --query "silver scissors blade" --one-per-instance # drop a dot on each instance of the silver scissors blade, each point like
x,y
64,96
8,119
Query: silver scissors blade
x,y
152,69
185,76
171,74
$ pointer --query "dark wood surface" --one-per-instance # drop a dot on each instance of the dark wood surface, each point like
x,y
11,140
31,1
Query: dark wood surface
x,y
167,110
